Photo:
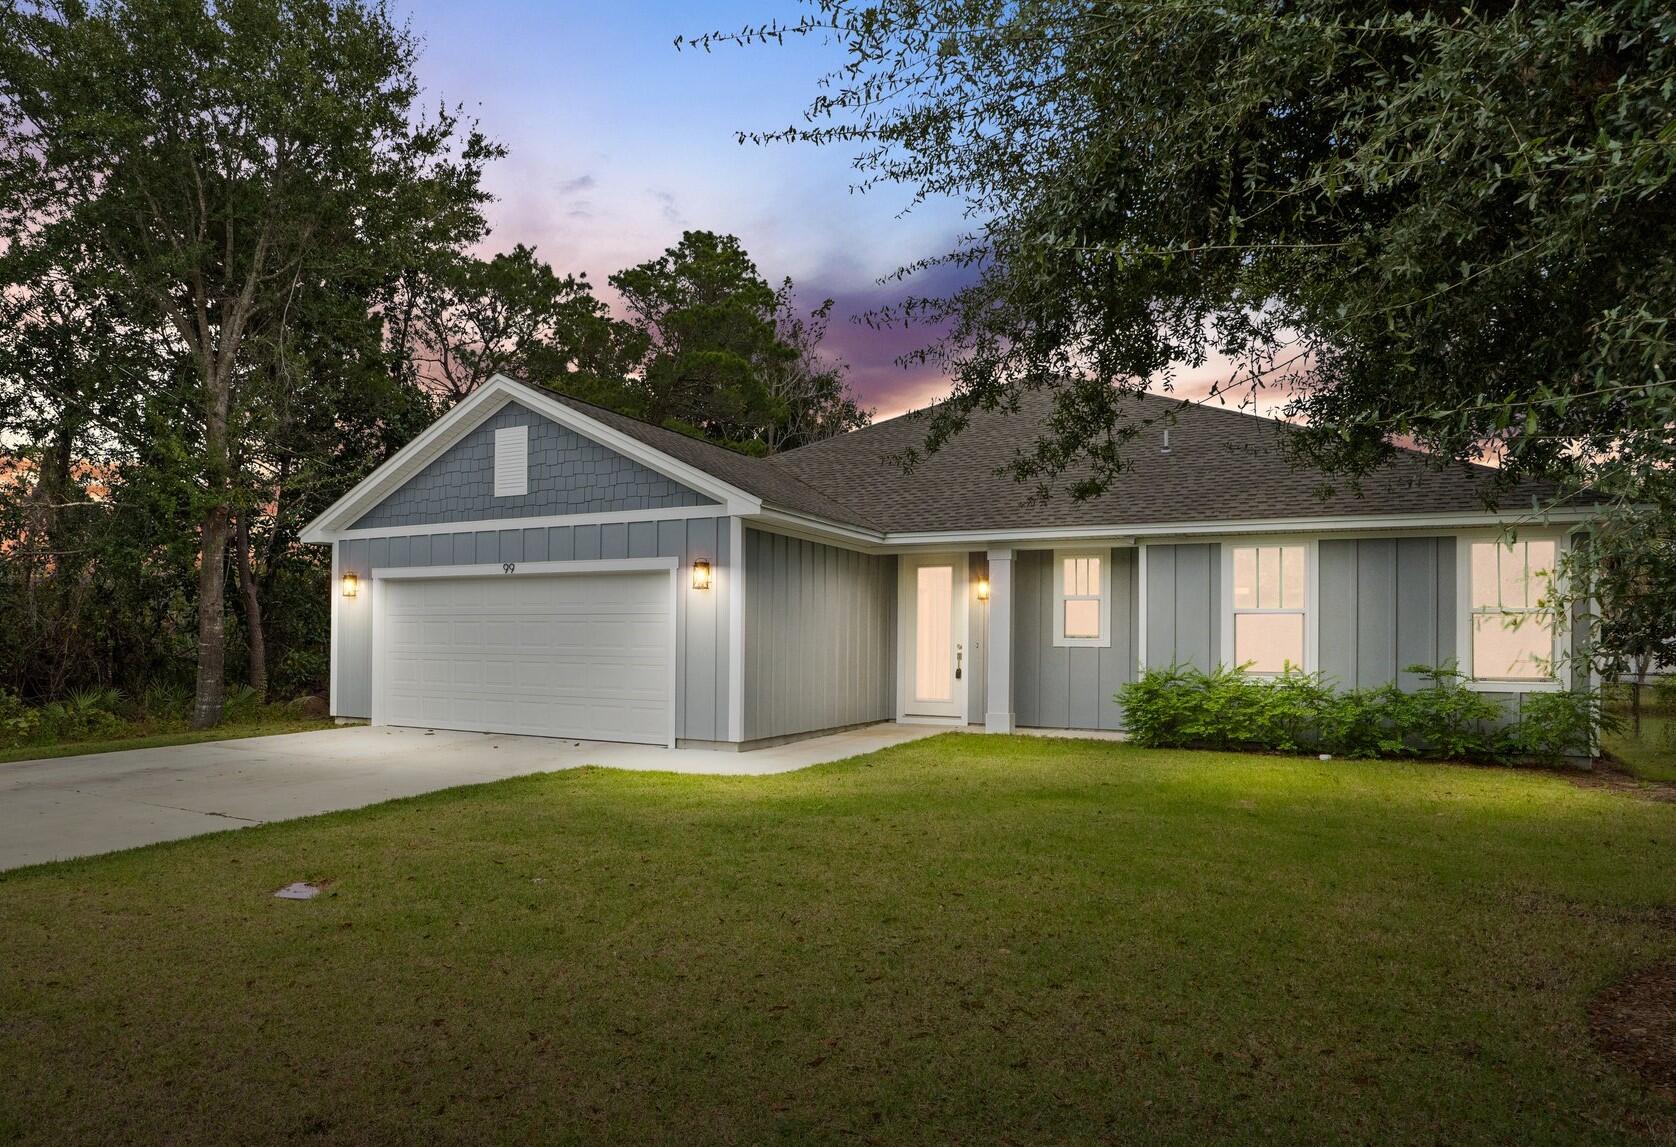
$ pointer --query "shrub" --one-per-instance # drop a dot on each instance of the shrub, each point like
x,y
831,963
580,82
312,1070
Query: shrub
x,y
1445,718
162,700
18,721
1553,726
85,714
1182,707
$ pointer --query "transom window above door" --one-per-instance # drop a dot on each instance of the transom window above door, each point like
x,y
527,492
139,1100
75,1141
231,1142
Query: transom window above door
x,y
1082,605
1269,585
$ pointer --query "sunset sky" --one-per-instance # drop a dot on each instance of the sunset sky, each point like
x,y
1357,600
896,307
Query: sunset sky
x,y
618,142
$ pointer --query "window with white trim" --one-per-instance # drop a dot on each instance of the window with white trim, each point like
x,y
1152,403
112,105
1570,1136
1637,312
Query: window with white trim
x,y
1513,630
1082,605
1270,589
512,461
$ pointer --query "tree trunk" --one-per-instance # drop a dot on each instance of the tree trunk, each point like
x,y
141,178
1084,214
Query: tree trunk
x,y
212,620
1642,666
211,687
255,639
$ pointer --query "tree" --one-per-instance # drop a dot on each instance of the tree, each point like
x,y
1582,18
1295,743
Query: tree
x,y
707,316
812,397
1450,223
222,159
725,355
510,314
1629,572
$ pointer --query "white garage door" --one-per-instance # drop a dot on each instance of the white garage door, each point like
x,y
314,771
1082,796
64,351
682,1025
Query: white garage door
x,y
575,655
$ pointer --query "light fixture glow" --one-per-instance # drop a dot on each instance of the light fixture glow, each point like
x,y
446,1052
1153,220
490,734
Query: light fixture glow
x,y
701,575
983,589
351,585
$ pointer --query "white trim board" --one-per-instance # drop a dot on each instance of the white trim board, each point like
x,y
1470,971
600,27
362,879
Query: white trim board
x,y
594,517
529,569
735,574
472,412
336,631
1047,537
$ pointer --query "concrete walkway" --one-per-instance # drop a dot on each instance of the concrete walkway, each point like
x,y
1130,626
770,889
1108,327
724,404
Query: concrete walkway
x,y
80,806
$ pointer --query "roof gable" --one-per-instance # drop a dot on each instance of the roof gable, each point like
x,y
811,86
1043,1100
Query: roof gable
x,y
568,474
482,405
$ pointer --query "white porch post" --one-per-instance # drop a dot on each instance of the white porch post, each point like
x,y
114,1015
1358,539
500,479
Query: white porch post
x,y
999,687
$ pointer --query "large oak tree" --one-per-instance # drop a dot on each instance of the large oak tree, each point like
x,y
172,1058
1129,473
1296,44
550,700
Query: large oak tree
x,y
224,165
1453,224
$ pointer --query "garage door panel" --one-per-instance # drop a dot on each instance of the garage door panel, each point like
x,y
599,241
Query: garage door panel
x,y
584,656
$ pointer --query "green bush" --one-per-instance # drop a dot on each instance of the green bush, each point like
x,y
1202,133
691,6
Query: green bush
x,y
83,715
1183,707
1553,726
18,721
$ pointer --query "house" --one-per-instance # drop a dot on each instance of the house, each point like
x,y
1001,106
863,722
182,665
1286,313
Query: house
x,y
533,564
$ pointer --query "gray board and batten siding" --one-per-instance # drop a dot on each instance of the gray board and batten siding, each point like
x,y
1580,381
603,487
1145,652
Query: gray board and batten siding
x,y
1385,604
1059,687
1184,605
820,636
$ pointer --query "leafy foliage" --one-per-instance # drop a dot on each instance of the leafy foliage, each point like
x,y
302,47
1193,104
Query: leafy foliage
x,y
725,356
217,177
1227,708
511,314
1451,223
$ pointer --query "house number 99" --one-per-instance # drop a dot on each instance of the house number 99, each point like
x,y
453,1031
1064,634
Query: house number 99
x,y
509,567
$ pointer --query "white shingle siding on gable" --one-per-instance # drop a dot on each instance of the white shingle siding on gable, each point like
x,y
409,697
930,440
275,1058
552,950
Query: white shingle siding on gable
x,y
512,461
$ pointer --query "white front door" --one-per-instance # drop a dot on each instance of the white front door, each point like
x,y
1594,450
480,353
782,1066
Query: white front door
x,y
932,657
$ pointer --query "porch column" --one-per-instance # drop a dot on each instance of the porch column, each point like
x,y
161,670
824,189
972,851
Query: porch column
x,y
999,655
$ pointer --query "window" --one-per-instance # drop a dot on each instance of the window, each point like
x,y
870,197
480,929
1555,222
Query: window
x,y
1082,598
1512,632
512,461
1270,589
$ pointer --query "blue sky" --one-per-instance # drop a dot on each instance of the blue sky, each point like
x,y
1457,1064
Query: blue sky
x,y
618,142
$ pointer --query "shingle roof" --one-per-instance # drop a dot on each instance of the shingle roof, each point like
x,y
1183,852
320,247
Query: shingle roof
x,y
1223,465
753,475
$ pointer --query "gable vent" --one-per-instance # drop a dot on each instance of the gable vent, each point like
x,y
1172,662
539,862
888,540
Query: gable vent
x,y
512,461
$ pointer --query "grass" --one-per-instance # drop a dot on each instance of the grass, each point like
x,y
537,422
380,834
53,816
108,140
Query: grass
x,y
962,939
1651,756
175,733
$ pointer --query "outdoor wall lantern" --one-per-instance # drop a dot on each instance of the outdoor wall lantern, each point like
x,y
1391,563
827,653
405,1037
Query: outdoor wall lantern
x,y
351,585
701,575
983,589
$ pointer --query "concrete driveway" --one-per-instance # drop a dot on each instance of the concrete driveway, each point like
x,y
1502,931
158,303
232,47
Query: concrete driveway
x,y
79,806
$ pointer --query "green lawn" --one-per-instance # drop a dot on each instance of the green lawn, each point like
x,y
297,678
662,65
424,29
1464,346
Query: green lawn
x,y
168,734
1652,755
961,940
